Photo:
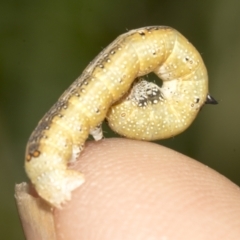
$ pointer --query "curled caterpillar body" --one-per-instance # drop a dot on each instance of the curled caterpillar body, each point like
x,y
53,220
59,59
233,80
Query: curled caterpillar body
x,y
103,90
175,104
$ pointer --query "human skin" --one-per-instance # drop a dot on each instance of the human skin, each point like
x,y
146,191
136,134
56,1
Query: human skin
x,y
139,190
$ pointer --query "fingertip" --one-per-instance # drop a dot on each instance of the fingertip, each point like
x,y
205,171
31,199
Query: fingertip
x,y
138,190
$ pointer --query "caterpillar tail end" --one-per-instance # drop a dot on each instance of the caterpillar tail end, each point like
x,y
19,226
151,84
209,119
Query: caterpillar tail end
x,y
55,186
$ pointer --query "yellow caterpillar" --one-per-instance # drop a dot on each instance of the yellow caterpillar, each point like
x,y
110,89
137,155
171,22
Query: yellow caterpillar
x,y
139,110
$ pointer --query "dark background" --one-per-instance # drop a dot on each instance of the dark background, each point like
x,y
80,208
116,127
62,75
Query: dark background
x,y
45,45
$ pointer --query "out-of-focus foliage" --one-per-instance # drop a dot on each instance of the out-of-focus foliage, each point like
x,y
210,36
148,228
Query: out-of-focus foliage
x,y
45,45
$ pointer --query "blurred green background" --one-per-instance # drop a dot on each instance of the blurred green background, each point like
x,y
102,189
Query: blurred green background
x,y
45,45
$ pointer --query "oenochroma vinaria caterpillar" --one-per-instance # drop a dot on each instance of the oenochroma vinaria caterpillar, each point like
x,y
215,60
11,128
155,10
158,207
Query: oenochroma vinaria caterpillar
x,y
108,88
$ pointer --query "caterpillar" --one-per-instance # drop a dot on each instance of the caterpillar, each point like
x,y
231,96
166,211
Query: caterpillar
x,y
108,89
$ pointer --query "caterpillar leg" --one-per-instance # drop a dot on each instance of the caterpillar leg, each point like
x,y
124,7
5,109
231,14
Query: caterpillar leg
x,y
54,183
59,185
97,132
56,186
